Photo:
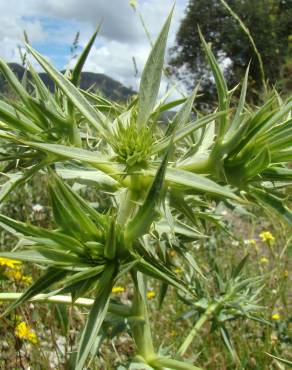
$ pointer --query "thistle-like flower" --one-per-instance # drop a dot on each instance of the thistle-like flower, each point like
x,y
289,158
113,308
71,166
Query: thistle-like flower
x,y
131,145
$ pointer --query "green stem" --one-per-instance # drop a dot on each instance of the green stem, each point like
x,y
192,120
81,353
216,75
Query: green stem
x,y
274,255
248,34
127,206
83,302
75,135
129,198
141,330
163,362
205,317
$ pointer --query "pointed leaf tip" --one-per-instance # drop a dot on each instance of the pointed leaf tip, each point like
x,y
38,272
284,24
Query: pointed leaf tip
x,y
151,75
76,73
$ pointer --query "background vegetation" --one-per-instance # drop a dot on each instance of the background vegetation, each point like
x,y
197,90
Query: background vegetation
x,y
270,25
174,243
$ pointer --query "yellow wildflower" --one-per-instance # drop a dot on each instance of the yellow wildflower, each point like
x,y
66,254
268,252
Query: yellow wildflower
x,y
264,260
26,279
14,275
173,333
9,263
18,276
151,294
286,273
276,316
178,270
267,237
118,289
22,331
32,337
172,253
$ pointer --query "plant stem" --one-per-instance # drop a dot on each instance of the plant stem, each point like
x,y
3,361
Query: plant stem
x,y
248,34
205,317
163,362
127,206
75,135
141,330
83,302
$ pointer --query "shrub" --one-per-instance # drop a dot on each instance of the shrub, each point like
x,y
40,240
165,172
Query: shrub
x,y
158,186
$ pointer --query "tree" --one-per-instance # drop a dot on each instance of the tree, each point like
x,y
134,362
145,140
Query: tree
x,y
270,25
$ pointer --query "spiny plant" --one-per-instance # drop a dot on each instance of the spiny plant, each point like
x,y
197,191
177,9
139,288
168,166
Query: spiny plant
x,y
159,183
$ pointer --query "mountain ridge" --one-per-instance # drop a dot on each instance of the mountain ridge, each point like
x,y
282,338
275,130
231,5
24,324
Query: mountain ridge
x,y
109,87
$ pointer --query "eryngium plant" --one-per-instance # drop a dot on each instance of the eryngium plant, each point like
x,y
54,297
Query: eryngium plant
x,y
158,185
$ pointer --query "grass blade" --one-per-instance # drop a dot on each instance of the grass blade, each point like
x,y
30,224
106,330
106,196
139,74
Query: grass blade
x,y
246,31
282,360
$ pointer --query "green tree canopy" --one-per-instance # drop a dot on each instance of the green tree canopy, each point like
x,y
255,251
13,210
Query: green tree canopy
x,y
269,22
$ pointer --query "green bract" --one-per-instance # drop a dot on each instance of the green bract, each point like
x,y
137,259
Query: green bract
x,y
158,182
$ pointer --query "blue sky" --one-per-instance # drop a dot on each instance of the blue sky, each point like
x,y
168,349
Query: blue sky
x,y
51,26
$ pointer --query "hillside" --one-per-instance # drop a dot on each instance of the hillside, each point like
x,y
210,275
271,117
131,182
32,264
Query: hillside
x,y
97,81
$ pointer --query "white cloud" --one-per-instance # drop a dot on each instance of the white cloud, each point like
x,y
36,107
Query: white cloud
x,y
115,57
116,16
122,36
15,17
